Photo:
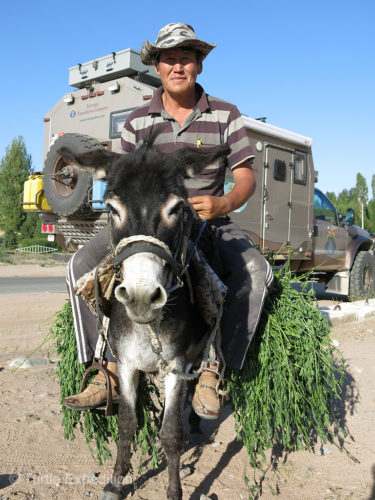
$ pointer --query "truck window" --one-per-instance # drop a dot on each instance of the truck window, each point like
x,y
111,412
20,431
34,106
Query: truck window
x,y
279,170
300,170
116,122
323,209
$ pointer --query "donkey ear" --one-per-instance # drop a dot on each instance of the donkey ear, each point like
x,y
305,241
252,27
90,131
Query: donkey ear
x,y
194,161
98,161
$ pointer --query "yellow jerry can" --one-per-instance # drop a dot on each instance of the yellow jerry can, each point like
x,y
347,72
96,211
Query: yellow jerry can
x,y
33,195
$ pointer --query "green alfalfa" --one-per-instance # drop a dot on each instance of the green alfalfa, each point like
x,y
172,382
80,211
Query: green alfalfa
x,y
100,430
284,395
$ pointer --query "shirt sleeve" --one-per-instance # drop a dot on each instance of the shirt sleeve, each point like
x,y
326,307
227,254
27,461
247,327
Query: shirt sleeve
x,y
128,143
237,138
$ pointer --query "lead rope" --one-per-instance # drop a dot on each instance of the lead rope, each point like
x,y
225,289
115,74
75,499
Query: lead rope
x,y
209,355
101,326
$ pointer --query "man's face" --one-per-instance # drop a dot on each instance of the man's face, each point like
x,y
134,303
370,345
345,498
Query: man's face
x,y
178,70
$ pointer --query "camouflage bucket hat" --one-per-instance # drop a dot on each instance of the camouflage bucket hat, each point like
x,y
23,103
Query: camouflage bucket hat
x,y
172,36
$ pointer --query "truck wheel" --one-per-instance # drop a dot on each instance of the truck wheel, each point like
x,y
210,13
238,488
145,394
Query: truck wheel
x,y
362,277
65,186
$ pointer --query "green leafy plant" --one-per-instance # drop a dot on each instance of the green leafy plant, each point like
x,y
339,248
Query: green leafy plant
x,y
100,430
285,394
40,240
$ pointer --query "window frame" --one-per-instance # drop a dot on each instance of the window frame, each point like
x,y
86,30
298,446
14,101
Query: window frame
x,y
112,116
303,180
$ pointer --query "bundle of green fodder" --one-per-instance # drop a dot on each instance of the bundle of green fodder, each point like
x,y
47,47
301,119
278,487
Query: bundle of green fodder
x,y
100,430
284,395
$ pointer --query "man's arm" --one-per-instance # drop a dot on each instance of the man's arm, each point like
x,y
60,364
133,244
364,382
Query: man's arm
x,y
209,207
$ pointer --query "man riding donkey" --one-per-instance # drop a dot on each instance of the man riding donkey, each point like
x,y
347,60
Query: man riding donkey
x,y
186,116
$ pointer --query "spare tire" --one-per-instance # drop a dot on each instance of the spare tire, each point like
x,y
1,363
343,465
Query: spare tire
x,y
65,186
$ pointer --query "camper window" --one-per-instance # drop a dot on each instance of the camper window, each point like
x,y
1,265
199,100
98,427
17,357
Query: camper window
x,y
116,122
300,171
279,170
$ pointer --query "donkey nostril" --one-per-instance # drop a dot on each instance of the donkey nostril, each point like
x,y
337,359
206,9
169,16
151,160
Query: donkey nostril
x,y
156,295
122,293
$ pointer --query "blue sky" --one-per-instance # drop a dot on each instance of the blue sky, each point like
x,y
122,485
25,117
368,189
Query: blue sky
x,y
307,66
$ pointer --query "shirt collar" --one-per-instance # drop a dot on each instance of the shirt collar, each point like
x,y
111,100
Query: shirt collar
x,y
156,104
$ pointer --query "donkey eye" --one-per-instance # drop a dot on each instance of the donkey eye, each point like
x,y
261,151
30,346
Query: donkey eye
x,y
113,211
174,210
117,209
171,209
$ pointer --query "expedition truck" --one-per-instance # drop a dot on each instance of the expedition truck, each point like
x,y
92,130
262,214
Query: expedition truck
x,y
287,215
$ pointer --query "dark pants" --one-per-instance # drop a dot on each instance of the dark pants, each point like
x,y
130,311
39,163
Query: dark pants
x,y
248,277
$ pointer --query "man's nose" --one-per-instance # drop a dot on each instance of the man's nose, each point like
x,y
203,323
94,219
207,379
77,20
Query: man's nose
x,y
178,66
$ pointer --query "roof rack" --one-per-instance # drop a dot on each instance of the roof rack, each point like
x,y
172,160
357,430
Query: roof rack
x,y
116,65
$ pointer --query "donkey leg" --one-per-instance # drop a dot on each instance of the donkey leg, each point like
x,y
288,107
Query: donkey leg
x,y
171,434
127,424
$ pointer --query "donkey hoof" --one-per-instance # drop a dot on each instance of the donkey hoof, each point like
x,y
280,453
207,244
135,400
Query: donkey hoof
x,y
108,495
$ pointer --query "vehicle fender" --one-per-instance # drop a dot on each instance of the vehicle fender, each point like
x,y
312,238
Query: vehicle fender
x,y
357,243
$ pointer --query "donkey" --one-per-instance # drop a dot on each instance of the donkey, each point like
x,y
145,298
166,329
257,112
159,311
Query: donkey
x,y
147,201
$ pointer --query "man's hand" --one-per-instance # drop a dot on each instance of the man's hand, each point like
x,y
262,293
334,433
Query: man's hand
x,y
209,207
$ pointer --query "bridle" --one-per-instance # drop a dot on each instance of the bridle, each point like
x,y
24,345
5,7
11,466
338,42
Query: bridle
x,y
178,262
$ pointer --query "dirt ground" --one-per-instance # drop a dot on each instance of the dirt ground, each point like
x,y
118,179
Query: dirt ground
x,y
36,462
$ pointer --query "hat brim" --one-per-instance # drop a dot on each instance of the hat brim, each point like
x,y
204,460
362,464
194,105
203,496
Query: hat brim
x,y
149,51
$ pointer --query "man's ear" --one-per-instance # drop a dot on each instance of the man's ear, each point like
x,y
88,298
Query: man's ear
x,y
193,161
157,70
98,161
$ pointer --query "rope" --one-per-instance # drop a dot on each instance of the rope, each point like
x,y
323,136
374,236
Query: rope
x,y
101,326
209,354
141,237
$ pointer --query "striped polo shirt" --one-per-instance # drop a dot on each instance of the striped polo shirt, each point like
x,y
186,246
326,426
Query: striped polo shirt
x,y
212,122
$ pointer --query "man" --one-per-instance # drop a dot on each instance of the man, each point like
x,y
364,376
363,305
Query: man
x,y
186,116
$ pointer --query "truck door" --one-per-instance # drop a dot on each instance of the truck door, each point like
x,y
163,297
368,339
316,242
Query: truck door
x,y
330,239
277,197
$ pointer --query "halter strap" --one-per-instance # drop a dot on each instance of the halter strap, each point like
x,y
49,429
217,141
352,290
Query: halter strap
x,y
153,248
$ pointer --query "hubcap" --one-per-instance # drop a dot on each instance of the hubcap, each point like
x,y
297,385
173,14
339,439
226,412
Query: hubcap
x,y
64,178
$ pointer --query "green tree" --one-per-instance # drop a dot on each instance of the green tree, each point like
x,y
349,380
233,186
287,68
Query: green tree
x,y
371,207
346,199
15,167
362,197
357,199
31,227
332,197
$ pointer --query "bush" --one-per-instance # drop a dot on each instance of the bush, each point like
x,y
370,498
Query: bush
x,y
41,241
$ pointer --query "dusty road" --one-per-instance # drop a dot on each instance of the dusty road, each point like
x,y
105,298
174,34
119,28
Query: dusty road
x,y
36,462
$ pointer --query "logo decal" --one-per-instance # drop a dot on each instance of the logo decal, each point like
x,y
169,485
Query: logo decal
x,y
330,246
